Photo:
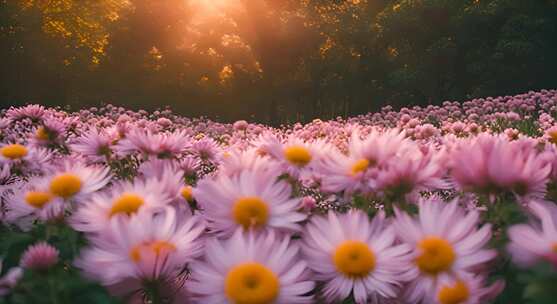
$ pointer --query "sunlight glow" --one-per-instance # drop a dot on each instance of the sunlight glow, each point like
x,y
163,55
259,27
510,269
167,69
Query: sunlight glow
x,y
207,9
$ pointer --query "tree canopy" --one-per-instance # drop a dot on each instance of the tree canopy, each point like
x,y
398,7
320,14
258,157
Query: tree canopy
x,y
273,60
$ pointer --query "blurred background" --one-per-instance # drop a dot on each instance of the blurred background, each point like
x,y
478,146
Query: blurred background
x,y
273,61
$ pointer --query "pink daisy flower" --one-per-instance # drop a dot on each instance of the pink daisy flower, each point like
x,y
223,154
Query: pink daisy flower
x,y
33,112
52,131
123,200
206,149
466,289
537,241
251,200
161,145
445,241
349,173
26,159
250,268
75,181
32,201
351,254
489,164
236,161
294,155
151,246
94,145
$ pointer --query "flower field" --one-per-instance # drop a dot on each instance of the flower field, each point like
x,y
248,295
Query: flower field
x,y
451,204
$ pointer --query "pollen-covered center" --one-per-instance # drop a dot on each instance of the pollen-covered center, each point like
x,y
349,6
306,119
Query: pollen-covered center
x,y
251,283
250,212
456,294
127,203
354,259
297,155
359,166
42,134
435,255
554,247
552,136
65,185
186,193
37,199
14,151
154,249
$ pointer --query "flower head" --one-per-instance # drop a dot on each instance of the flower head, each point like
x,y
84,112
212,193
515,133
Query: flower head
x,y
351,254
250,268
40,256
250,200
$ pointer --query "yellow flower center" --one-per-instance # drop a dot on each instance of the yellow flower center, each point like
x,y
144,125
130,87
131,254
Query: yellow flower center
x,y
437,255
251,283
360,166
456,294
354,259
65,185
552,136
158,248
42,134
186,193
127,203
250,212
297,155
14,151
554,247
37,199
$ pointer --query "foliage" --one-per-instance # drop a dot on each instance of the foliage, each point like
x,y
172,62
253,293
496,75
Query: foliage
x,y
60,284
281,60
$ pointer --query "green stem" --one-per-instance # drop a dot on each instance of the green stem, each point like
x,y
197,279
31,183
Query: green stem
x,y
153,294
52,290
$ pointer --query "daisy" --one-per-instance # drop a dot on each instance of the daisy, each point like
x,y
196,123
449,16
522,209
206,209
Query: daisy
x,y
161,145
52,131
206,149
445,240
94,145
10,279
466,289
33,112
190,166
152,247
73,180
237,161
32,201
26,159
250,199
13,152
537,241
251,269
411,173
378,147
351,254
295,155
125,199
489,164
349,173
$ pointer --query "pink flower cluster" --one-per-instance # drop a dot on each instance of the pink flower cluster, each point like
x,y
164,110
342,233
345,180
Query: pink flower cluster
x,y
387,207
